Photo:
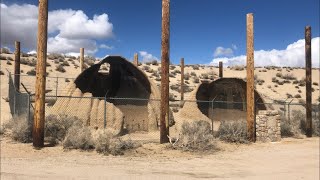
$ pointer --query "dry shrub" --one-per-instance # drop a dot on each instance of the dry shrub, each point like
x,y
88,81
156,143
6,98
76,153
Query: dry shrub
x,y
9,58
233,131
56,127
289,77
299,118
9,63
3,57
237,67
78,137
296,127
154,62
5,51
106,144
196,136
32,72
60,68
19,129
196,80
65,63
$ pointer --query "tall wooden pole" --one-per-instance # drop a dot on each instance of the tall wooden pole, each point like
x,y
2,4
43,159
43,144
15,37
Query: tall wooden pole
x,y
250,79
164,104
182,79
308,81
39,111
220,69
17,66
135,59
81,59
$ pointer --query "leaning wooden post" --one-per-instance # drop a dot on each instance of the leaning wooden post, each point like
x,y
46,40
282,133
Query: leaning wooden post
x,y
220,69
182,79
164,104
81,59
308,81
250,80
135,59
39,111
17,66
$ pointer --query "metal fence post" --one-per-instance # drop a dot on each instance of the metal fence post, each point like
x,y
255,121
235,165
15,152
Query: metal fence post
x,y
57,87
105,112
29,101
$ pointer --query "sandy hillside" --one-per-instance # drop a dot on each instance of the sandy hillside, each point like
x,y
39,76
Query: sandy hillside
x,y
288,159
270,80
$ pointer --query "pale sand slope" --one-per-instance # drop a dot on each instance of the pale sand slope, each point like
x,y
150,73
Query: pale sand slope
x,y
71,72
289,159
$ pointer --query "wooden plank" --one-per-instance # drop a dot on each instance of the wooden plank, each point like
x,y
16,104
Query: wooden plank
x,y
164,104
250,79
308,81
39,112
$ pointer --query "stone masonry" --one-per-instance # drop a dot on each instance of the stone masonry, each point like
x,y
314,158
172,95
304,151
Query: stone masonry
x,y
268,126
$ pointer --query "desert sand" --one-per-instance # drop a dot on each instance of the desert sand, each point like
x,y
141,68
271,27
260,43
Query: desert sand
x,y
288,159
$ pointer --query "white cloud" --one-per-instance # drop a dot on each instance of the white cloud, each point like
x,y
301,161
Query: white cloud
x,y
68,29
63,45
146,57
104,46
293,55
221,51
19,23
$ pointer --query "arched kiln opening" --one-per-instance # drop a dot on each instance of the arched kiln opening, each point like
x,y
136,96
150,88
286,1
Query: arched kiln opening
x,y
227,98
118,84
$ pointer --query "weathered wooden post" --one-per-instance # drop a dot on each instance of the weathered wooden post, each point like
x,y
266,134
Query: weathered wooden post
x,y
17,66
164,104
250,79
39,111
135,59
220,69
81,59
308,81
182,79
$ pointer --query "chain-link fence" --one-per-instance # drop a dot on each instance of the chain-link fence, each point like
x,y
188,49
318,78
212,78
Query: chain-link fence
x,y
140,118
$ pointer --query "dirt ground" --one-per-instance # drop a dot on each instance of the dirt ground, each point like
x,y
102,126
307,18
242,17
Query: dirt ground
x,y
288,159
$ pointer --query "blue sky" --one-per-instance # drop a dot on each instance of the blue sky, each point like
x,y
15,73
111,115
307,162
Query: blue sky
x,y
198,28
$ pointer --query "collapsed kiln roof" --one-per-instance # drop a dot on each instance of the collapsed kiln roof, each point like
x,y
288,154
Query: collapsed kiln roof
x,y
121,71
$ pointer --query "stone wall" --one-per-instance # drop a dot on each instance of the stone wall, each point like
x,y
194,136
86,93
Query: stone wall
x,y
268,126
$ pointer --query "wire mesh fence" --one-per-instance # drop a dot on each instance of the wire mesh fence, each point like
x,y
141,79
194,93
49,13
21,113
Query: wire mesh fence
x,y
137,118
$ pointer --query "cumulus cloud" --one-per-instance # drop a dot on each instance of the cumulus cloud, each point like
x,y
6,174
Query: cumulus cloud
x,y
19,22
221,51
68,29
146,57
293,55
104,46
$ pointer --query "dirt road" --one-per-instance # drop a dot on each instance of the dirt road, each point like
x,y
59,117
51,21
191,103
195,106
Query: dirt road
x,y
289,159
